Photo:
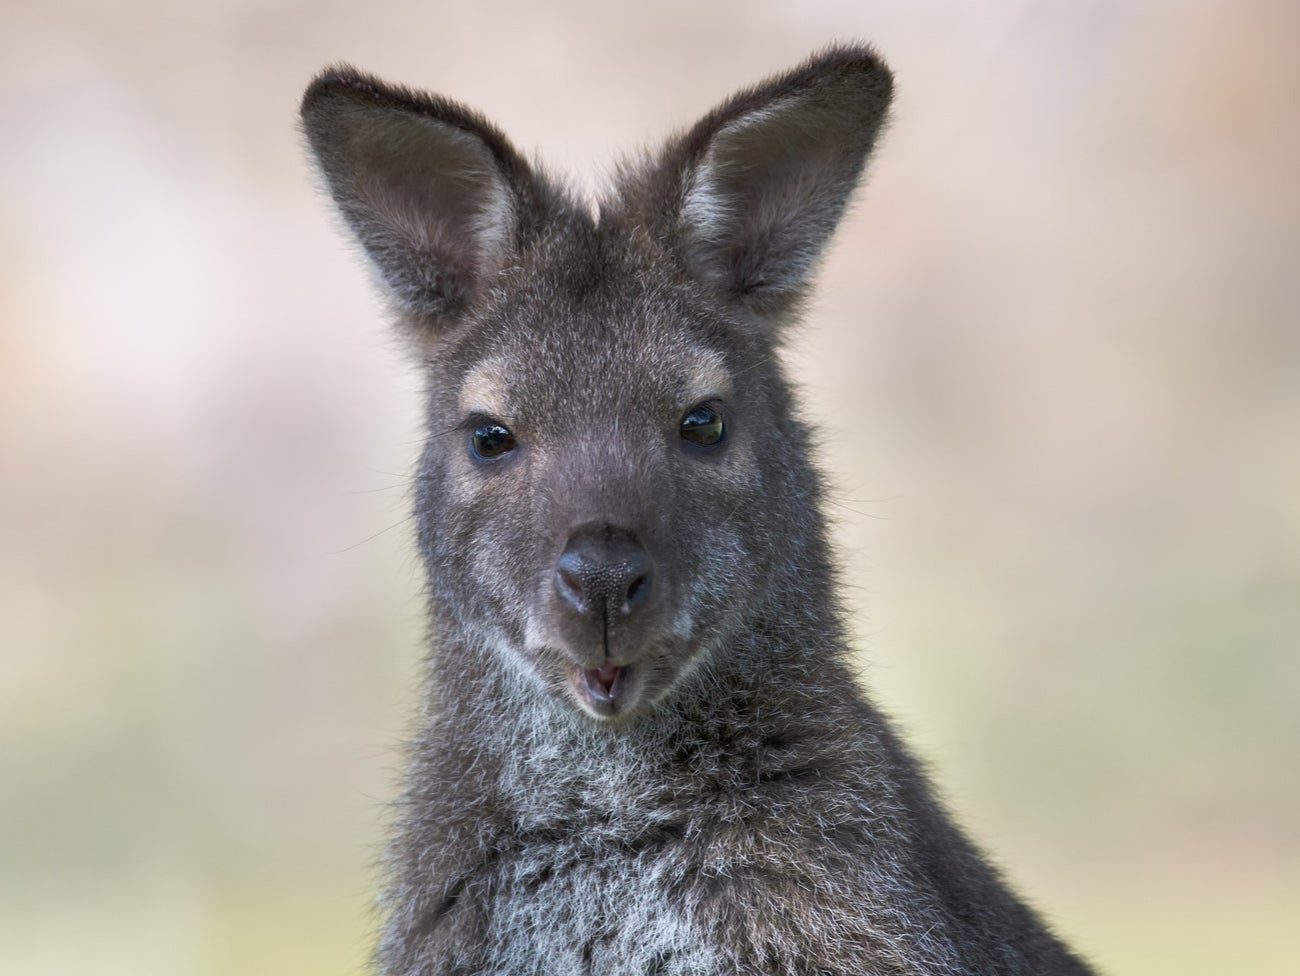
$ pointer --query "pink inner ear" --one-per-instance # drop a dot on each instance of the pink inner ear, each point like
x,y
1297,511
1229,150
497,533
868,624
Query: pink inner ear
x,y
770,188
428,199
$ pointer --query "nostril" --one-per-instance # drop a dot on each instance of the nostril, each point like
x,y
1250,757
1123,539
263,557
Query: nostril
x,y
637,592
568,581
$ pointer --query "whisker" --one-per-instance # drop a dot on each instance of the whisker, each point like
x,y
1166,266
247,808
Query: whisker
x,y
372,538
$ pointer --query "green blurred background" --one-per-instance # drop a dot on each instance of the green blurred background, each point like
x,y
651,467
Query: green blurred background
x,y
1056,357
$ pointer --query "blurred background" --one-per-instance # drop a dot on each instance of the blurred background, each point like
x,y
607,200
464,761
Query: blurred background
x,y
1055,357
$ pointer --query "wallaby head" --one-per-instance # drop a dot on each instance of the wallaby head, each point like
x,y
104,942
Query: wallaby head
x,y
614,482
645,751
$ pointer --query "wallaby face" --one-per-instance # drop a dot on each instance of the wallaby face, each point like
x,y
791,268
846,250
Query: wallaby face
x,y
645,752
595,441
607,429
599,444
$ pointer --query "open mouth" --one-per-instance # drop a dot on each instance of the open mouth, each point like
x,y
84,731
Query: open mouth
x,y
602,686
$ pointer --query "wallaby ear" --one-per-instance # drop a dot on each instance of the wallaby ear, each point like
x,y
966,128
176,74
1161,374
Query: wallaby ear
x,y
764,179
435,194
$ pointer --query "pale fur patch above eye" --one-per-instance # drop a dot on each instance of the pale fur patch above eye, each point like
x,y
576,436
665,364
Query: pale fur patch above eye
x,y
708,379
484,390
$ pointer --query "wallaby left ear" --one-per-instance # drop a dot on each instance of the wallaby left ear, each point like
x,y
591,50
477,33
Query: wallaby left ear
x,y
435,194
764,179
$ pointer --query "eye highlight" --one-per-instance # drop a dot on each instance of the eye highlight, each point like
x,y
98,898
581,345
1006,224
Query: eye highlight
x,y
703,424
490,440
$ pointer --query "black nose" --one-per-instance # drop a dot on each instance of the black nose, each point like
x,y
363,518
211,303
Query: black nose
x,y
604,573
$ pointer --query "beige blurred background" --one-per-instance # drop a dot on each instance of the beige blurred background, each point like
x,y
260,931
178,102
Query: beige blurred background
x,y
1056,358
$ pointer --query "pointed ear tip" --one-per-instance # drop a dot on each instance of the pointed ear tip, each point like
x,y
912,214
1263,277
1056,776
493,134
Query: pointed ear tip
x,y
855,55
335,80
859,61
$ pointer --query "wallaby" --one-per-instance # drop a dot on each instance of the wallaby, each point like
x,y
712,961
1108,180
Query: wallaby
x,y
643,750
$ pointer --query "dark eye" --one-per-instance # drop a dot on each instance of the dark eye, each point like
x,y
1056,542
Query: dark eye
x,y
703,425
490,440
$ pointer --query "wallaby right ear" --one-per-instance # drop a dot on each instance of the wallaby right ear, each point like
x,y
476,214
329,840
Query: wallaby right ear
x,y
764,179
435,194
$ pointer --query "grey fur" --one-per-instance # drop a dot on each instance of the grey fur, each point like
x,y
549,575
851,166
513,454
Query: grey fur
x,y
730,803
